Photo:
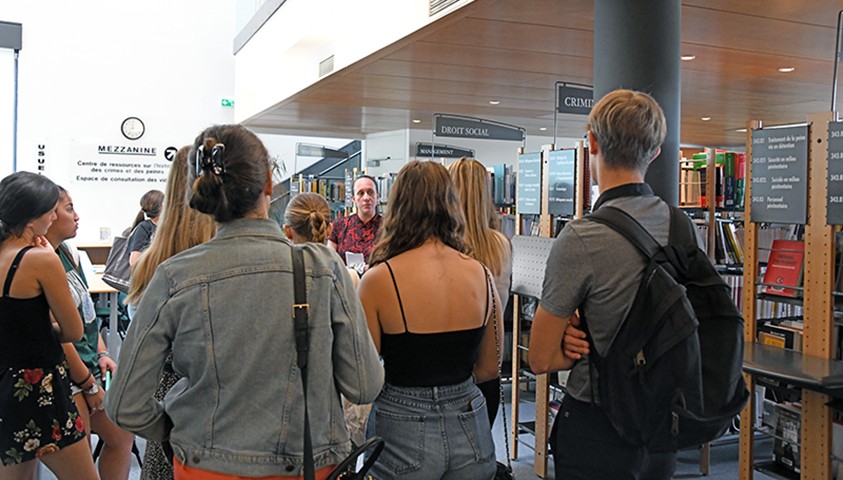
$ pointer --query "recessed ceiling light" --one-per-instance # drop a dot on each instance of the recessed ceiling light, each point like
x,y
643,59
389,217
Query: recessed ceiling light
x,y
416,120
705,119
542,128
494,102
787,69
688,58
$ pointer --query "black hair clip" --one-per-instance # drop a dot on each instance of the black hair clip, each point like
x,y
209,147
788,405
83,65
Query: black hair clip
x,y
213,161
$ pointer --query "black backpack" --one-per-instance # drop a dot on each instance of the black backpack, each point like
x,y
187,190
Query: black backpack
x,y
672,376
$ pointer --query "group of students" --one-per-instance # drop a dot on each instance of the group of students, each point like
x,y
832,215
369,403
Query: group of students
x,y
208,371
208,366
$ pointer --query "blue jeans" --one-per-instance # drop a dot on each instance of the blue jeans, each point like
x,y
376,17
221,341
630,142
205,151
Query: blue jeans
x,y
433,433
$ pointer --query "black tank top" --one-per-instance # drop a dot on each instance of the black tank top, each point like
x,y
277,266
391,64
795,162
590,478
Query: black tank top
x,y
27,339
429,359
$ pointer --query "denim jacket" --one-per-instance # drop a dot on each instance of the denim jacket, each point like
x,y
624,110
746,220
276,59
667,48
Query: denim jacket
x,y
225,309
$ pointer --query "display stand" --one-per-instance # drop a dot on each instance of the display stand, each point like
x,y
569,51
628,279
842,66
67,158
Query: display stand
x,y
812,370
529,260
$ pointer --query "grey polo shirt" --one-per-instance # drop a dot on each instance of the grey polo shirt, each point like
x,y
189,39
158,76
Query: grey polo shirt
x,y
594,268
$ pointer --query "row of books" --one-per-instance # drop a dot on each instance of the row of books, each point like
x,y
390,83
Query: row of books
x,y
502,184
332,189
729,175
384,184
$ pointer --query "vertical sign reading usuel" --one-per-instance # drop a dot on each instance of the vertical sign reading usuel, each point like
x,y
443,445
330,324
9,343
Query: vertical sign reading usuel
x,y
780,175
834,198
528,198
560,172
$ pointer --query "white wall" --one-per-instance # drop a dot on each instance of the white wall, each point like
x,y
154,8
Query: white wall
x,y
85,66
283,57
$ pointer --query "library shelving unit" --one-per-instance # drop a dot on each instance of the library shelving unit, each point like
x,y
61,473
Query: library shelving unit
x,y
814,375
529,259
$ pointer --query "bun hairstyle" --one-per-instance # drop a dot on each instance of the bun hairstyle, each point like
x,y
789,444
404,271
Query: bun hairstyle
x,y
229,169
24,196
150,203
309,216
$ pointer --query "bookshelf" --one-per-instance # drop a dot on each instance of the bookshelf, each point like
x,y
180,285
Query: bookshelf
x,y
814,374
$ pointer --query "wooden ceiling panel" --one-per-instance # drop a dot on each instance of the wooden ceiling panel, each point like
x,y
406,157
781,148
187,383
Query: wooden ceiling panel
x,y
507,35
515,50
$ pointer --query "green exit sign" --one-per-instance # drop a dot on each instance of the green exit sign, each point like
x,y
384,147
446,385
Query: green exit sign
x,y
226,102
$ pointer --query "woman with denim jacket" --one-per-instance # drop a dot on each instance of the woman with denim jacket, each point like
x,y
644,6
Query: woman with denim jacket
x,y
224,308
430,310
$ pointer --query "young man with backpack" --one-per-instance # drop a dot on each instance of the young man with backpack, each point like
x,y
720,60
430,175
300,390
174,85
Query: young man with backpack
x,y
660,368
594,269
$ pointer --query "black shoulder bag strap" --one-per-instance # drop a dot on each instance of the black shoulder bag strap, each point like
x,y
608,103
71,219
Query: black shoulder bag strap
x,y
301,312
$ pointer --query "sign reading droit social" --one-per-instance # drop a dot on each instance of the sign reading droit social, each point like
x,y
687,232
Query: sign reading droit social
x,y
560,172
529,191
468,127
780,175
834,199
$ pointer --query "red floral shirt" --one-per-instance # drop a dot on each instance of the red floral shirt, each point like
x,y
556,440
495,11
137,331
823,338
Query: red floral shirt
x,y
352,235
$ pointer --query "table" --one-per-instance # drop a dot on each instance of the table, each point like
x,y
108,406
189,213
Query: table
x,y
97,252
97,286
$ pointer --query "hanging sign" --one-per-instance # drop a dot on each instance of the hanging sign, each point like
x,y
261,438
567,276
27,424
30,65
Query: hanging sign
x,y
442,151
834,199
576,99
308,150
468,127
529,186
560,172
780,175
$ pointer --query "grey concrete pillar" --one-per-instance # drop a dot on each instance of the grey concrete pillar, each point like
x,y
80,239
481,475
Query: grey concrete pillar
x,y
637,45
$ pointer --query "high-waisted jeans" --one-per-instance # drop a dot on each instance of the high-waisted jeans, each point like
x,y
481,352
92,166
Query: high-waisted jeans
x,y
433,433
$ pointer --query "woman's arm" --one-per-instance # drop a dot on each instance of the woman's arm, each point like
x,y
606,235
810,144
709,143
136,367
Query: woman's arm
x,y
82,377
50,274
491,354
358,372
104,360
130,403
369,293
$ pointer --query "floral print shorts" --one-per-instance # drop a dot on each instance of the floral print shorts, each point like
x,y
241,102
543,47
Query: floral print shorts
x,y
37,413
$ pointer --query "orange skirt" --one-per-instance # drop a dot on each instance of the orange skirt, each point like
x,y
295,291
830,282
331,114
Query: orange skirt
x,y
182,472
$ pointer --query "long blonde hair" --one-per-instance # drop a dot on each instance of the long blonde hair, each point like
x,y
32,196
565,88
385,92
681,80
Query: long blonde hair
x,y
489,247
309,215
179,228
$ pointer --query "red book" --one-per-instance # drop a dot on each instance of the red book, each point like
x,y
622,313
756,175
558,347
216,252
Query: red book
x,y
784,268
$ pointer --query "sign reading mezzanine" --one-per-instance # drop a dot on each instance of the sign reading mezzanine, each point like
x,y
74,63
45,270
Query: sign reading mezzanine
x,y
113,164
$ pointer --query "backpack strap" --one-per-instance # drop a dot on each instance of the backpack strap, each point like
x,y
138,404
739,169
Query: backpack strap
x,y
623,223
682,230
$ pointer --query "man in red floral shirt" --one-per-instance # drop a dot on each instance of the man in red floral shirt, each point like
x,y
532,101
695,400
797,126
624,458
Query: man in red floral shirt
x,y
358,233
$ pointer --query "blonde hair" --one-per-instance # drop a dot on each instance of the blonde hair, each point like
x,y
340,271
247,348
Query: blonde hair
x,y
309,215
629,127
489,247
179,228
